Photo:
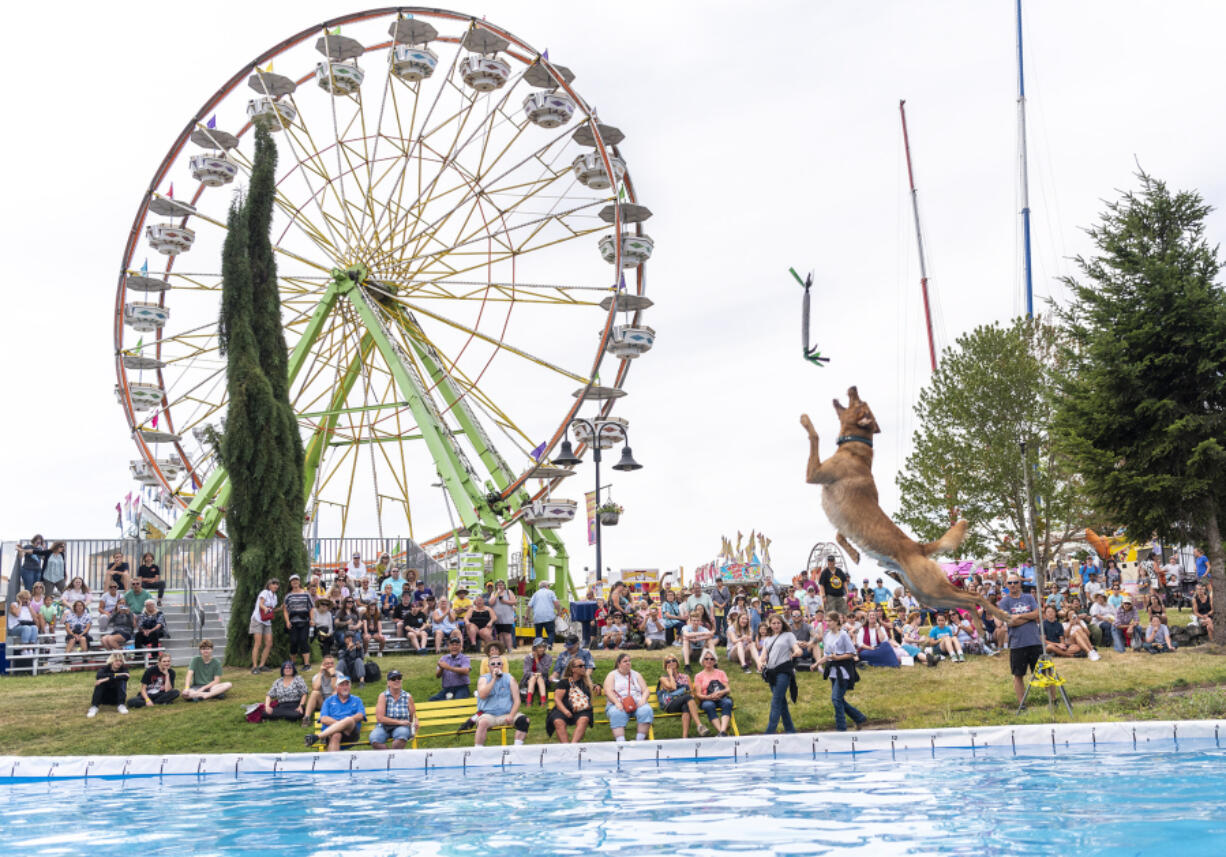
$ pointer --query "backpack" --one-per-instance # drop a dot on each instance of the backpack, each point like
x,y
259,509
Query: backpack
x,y
372,672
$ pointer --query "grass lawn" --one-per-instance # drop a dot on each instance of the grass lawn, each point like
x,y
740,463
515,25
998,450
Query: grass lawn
x,y
45,715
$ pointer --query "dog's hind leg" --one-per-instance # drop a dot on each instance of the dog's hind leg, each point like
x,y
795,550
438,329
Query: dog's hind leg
x,y
846,545
953,537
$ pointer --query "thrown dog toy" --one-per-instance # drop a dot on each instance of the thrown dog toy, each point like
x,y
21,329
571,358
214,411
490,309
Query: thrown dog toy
x,y
811,353
849,498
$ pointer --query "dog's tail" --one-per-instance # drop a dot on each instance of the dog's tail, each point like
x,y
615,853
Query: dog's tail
x,y
948,542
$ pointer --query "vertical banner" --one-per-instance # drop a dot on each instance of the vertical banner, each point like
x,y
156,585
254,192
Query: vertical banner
x,y
591,516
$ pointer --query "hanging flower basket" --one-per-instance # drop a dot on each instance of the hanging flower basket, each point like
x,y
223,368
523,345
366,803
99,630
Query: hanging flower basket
x,y
609,514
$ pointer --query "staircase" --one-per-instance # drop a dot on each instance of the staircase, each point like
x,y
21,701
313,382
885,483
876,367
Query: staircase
x,y
181,645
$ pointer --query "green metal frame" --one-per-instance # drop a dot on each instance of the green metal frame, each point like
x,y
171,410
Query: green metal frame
x,y
485,531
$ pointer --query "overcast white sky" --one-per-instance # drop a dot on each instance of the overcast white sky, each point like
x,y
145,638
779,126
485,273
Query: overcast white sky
x,y
763,136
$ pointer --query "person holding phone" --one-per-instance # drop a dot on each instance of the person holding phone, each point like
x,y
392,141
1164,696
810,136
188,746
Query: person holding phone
x,y
498,703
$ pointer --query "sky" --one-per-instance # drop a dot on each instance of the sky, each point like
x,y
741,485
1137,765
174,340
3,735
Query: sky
x,y
763,136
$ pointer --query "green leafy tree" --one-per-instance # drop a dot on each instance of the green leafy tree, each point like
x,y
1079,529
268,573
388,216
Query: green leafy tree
x,y
261,448
1143,410
993,390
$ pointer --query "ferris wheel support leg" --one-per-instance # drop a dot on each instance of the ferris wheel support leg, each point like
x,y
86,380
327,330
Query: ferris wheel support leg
x,y
208,504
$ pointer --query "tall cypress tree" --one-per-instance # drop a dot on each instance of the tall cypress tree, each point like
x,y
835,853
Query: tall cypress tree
x,y
261,448
1144,405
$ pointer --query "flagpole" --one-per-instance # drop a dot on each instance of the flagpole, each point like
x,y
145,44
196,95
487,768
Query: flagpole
x,y
1021,124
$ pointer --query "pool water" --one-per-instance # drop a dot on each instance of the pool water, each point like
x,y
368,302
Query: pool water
x,y
1108,803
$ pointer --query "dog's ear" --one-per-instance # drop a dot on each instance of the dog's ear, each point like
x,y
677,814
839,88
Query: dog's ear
x,y
838,409
868,421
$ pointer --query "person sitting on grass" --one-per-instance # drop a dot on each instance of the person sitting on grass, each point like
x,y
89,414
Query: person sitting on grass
x,y
676,696
1157,636
872,641
453,668
695,638
323,685
395,715
1059,643
120,629
498,703
626,692
1126,633
286,699
110,686
1202,608
613,634
942,633
157,685
713,690
150,624
204,676
341,716
351,660
77,625
572,703
1103,615
741,646
536,672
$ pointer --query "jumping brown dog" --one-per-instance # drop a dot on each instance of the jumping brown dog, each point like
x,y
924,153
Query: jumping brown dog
x,y
849,498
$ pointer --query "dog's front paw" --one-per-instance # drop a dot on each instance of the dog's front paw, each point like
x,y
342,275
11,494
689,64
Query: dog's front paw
x,y
808,424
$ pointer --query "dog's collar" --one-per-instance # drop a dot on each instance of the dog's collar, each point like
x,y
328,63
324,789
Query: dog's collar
x,y
850,438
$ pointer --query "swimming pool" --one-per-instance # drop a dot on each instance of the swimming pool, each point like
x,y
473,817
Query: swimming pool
x,y
790,798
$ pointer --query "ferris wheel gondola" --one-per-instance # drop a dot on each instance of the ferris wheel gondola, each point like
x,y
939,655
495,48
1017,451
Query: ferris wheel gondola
x,y
445,276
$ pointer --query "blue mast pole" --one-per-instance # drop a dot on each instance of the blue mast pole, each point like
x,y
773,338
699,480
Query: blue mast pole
x,y
1021,124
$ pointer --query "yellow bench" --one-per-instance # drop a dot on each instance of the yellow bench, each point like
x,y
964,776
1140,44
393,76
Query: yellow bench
x,y
657,713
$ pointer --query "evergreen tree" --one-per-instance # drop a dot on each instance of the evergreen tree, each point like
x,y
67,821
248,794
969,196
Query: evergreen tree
x,y
992,391
261,448
1144,405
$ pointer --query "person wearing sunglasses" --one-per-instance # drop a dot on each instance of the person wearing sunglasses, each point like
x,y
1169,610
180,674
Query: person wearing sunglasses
x,y
1025,646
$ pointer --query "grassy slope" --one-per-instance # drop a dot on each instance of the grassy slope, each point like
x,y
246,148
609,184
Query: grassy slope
x,y
46,715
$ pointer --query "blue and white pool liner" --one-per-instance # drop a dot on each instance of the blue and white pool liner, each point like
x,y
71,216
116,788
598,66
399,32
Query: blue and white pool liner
x,y
1029,740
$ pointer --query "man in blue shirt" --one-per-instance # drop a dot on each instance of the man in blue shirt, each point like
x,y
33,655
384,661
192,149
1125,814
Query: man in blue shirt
x,y
341,716
881,594
421,592
544,605
1028,577
498,703
573,650
1202,565
1025,646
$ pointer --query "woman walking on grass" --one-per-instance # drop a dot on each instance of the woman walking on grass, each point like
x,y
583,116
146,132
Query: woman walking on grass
x,y
838,664
778,669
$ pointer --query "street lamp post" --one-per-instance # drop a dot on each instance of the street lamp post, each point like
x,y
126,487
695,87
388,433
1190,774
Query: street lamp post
x,y
567,458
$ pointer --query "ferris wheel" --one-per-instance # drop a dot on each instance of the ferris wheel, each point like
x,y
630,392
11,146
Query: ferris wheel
x,y
461,260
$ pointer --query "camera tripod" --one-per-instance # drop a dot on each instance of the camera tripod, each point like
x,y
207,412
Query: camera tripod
x,y
1045,676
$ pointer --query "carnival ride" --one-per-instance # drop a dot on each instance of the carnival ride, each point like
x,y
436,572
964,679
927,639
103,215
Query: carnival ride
x,y
460,252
